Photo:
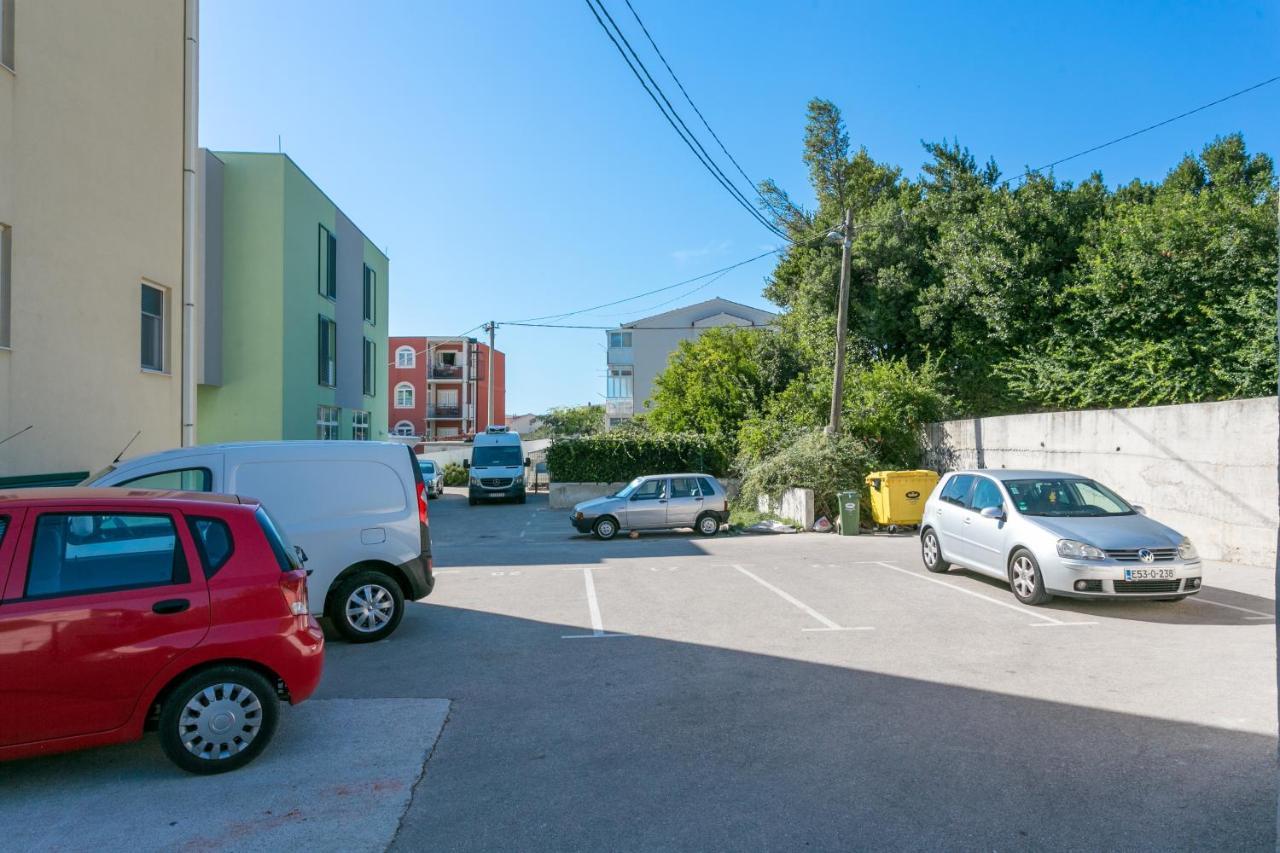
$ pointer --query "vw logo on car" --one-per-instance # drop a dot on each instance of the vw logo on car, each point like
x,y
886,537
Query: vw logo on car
x,y
1145,555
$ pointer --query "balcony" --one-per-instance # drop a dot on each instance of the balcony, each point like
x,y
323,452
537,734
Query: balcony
x,y
621,355
450,413
619,407
446,371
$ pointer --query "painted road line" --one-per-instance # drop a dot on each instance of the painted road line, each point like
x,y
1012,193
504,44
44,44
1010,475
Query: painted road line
x,y
597,623
1047,621
1257,614
828,625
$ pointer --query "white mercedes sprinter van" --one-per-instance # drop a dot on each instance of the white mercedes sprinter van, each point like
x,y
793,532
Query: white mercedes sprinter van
x,y
357,508
497,466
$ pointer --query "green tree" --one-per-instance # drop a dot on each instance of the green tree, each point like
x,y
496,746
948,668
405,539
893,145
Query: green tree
x,y
571,420
715,381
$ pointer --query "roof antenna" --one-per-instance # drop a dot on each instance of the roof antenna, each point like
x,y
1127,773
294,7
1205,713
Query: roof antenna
x,y
18,433
126,447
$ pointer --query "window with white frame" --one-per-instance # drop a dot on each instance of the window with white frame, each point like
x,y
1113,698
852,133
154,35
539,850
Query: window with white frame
x,y
6,236
327,420
405,357
619,385
153,335
360,426
404,396
619,339
404,428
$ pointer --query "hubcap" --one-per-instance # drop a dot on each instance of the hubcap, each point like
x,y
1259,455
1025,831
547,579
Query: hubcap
x,y
1024,577
606,529
709,525
220,721
370,608
931,549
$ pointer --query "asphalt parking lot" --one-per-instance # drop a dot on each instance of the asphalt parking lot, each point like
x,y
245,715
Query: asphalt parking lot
x,y
746,692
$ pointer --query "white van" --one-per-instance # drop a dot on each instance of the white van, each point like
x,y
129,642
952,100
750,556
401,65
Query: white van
x,y
497,466
357,508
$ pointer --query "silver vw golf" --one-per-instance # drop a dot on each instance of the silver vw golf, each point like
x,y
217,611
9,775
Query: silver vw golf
x,y
1048,534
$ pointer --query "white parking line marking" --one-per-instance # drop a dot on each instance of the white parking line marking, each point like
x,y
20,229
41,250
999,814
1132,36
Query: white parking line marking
x,y
1047,621
1258,614
785,596
597,624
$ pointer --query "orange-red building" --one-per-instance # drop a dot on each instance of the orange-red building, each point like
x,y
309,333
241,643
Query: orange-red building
x,y
439,387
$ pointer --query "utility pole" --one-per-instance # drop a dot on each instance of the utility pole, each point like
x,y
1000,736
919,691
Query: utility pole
x,y
489,375
842,326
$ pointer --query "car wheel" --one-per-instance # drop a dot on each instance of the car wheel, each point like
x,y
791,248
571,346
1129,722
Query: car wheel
x,y
367,607
931,552
605,528
218,719
472,501
708,525
521,498
1025,578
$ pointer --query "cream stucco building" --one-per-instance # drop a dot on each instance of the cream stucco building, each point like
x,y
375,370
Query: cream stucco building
x,y
91,230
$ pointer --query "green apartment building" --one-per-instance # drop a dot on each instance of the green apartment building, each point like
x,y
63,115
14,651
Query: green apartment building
x,y
294,321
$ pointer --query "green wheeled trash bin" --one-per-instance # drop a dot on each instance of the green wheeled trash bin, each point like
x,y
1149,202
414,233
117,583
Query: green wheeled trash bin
x,y
849,519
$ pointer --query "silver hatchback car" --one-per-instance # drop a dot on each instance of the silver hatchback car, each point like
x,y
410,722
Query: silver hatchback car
x,y
656,502
1049,533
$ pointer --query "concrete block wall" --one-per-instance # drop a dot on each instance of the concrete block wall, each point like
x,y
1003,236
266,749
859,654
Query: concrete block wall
x,y
795,506
1206,469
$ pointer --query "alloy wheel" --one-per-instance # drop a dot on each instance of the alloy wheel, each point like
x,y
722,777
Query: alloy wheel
x,y
220,721
931,549
1024,577
370,608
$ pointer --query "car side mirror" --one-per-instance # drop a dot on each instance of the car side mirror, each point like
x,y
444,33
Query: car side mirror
x,y
993,512
527,462
466,464
1140,510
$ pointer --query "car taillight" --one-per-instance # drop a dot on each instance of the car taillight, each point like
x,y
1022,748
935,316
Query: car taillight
x,y
422,503
293,585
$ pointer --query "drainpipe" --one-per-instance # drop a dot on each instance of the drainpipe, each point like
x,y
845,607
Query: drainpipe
x,y
190,123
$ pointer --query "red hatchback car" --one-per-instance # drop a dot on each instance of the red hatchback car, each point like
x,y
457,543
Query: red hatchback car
x,y
124,610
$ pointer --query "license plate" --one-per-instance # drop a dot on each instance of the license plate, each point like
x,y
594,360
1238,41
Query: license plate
x,y
1148,574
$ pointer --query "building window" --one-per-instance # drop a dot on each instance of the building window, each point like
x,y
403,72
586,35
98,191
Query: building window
x,y
404,396
152,328
405,357
619,339
619,386
327,352
6,33
360,426
404,428
370,366
370,295
328,264
449,359
327,418
6,265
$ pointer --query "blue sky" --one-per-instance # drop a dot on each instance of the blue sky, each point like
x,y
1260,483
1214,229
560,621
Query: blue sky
x,y
511,165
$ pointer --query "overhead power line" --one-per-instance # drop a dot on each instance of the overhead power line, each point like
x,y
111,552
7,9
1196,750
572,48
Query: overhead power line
x,y
689,98
642,295
1146,129
684,328
672,116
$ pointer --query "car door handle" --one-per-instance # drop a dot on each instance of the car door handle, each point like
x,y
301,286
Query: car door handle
x,y
968,520
170,605
698,499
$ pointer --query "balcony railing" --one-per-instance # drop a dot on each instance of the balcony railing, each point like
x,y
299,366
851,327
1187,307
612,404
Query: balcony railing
x,y
448,412
446,371
621,355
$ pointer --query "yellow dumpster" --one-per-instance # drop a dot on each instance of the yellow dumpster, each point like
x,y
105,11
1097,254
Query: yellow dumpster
x,y
897,497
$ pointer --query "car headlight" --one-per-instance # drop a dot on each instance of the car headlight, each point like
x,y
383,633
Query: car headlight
x,y
1079,550
475,481
1187,551
519,481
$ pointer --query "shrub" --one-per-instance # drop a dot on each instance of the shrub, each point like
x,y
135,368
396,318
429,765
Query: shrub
x,y
827,464
455,475
620,457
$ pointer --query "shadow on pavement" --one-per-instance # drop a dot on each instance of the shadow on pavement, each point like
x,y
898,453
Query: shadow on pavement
x,y
643,743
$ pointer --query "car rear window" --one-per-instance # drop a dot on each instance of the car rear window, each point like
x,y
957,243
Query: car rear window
x,y
213,542
707,488
279,548
956,491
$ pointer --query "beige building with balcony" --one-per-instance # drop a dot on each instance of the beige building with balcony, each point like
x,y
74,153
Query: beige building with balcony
x,y
638,351
91,231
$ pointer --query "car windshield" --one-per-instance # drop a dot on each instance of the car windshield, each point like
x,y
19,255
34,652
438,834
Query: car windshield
x,y
625,491
1060,497
427,466
495,457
